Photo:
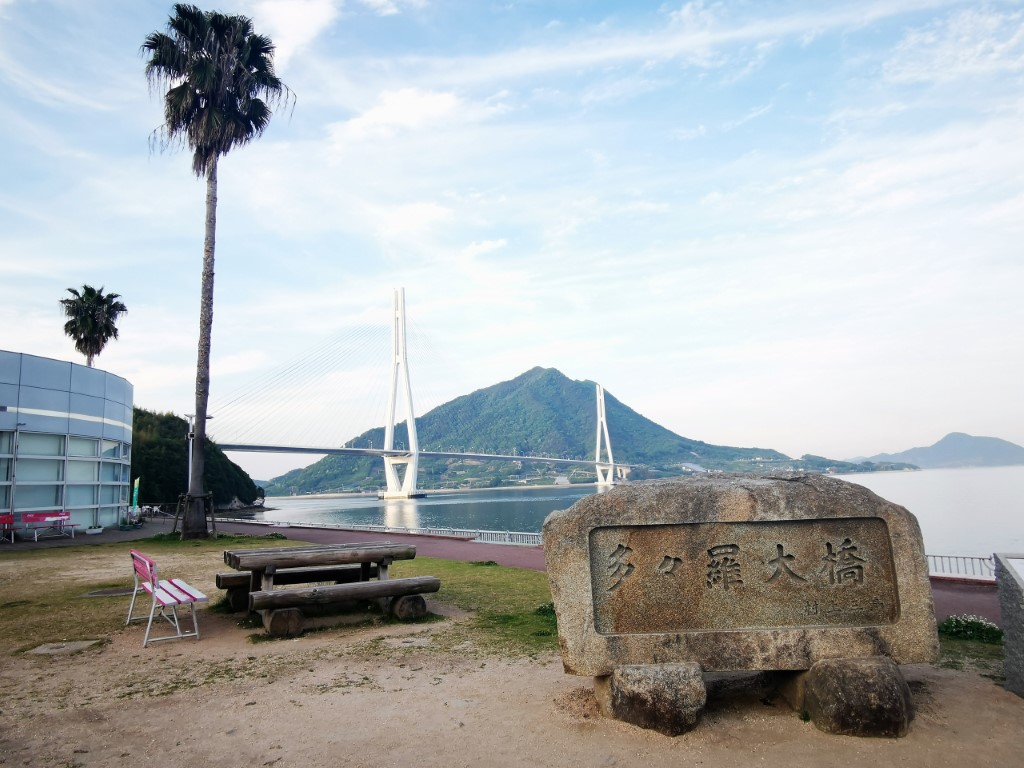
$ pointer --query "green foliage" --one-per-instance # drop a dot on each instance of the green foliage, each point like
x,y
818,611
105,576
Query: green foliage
x,y
220,80
504,601
160,459
92,319
968,627
540,413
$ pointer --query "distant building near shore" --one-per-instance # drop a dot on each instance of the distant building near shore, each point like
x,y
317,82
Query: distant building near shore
x,y
65,440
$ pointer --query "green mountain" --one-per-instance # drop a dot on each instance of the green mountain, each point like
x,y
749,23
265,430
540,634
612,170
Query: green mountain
x,y
160,460
539,413
958,449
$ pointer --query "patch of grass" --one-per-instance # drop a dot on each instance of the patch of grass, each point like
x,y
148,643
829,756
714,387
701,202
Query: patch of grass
x,y
986,658
505,601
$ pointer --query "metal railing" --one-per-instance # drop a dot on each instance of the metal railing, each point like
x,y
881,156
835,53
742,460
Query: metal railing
x,y
961,567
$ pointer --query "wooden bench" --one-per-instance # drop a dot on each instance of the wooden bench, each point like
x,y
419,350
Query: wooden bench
x,y
7,528
57,523
284,610
238,585
167,595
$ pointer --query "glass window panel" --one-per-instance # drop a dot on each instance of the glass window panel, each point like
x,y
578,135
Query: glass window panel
x,y
124,494
82,446
6,442
109,494
109,516
40,445
110,473
81,495
31,496
5,470
5,498
111,449
39,470
83,471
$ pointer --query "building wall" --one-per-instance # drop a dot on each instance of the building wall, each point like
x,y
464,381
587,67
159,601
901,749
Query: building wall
x,y
65,439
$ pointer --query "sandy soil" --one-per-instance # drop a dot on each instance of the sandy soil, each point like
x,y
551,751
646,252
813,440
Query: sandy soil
x,y
371,697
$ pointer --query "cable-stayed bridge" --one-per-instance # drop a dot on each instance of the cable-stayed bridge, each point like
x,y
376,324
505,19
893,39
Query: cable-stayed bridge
x,y
401,458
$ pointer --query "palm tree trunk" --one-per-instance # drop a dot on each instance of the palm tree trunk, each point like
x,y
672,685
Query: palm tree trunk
x,y
194,524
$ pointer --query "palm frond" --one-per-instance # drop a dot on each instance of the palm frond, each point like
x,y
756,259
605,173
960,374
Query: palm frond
x,y
219,79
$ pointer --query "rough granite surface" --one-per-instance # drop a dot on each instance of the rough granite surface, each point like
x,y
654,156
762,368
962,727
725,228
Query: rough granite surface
x,y
858,697
736,572
1010,582
668,698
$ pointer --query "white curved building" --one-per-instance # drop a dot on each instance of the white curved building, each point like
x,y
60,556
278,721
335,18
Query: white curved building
x,y
65,440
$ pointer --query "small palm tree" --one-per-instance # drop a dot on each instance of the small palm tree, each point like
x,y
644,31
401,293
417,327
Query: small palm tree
x,y
220,79
92,319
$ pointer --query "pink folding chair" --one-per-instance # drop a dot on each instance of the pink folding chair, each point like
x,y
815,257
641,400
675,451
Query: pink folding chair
x,y
167,595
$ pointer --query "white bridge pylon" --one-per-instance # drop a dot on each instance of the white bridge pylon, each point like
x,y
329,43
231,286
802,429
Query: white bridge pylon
x,y
605,469
405,487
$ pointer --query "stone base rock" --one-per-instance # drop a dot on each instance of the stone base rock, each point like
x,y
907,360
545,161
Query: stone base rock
x,y
668,698
853,697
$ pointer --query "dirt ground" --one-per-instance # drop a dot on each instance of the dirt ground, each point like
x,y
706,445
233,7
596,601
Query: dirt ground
x,y
390,695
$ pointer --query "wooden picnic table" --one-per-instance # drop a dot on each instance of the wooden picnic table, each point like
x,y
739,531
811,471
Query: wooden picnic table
x,y
281,609
264,563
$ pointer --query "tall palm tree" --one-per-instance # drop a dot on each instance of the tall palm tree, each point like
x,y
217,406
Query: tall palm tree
x,y
220,81
92,319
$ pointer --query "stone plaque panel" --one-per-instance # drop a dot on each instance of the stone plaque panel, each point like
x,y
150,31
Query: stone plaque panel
x,y
738,572
711,576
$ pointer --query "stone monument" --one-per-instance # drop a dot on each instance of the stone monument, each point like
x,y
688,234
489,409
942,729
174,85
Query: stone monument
x,y
656,583
1010,583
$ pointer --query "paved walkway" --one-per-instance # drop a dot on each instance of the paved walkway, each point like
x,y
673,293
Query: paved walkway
x,y
951,597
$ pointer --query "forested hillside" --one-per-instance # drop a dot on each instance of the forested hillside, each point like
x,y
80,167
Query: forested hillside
x,y
160,460
539,413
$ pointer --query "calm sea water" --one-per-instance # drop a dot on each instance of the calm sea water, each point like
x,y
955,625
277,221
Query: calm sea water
x,y
961,511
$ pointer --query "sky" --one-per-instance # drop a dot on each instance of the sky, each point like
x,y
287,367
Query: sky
x,y
779,224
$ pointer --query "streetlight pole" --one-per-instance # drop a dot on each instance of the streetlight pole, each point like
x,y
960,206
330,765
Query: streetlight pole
x,y
191,438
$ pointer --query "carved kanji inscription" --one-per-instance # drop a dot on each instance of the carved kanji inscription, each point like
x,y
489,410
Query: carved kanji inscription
x,y
745,575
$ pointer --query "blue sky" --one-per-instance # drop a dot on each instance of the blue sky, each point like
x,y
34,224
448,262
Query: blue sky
x,y
782,224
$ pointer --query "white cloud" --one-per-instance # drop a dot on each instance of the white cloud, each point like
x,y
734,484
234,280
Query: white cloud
x,y
686,134
392,7
404,109
480,247
293,24
968,43
751,114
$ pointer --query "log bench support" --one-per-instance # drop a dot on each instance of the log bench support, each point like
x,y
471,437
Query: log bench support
x,y
281,609
237,584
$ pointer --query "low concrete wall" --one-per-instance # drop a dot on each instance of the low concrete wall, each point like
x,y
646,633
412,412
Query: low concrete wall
x,y
1010,581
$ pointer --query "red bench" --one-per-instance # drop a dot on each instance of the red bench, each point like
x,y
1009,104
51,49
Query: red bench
x,y
167,595
7,528
57,523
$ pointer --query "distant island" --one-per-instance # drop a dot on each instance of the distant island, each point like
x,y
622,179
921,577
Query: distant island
x,y
542,412
958,449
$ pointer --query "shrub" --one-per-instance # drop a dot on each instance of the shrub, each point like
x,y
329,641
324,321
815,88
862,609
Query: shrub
x,y
966,627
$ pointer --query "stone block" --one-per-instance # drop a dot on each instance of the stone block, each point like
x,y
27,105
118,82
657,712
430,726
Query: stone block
x,y
858,697
738,573
1010,582
667,698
